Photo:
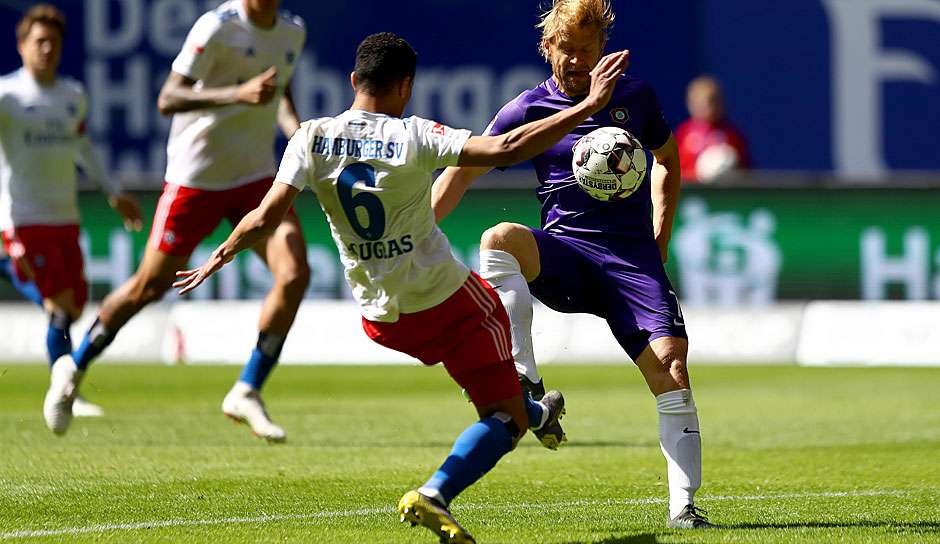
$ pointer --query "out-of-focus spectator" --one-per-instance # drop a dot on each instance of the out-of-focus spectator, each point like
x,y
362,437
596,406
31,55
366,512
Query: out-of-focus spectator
x,y
709,146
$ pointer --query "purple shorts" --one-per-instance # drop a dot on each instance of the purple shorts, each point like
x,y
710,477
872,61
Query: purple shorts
x,y
624,284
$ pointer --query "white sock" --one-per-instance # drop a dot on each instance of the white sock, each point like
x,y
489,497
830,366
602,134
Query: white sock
x,y
503,272
681,443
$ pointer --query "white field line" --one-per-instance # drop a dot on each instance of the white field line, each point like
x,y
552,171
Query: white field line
x,y
388,510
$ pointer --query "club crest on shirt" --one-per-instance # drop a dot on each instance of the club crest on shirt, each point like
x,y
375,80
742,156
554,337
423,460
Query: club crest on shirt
x,y
620,115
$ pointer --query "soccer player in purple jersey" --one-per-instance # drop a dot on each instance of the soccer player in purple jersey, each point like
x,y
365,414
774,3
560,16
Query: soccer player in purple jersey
x,y
602,258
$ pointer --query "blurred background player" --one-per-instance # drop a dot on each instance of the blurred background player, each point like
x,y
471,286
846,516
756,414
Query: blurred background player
x,y
228,88
709,145
602,258
371,172
25,287
42,138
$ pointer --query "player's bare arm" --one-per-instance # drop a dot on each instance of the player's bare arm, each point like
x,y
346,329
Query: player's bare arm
x,y
254,227
529,140
287,118
178,93
450,187
666,184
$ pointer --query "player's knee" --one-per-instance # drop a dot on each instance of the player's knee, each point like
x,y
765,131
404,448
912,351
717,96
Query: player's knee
x,y
678,371
504,237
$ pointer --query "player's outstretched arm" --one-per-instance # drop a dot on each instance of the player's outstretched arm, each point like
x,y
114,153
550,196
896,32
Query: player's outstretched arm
x,y
450,187
254,227
178,95
529,140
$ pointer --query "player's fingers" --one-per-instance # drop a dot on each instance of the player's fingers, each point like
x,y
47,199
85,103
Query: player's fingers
x,y
186,273
269,74
618,63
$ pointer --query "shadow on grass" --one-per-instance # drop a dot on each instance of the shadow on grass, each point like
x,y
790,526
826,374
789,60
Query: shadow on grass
x,y
632,539
905,526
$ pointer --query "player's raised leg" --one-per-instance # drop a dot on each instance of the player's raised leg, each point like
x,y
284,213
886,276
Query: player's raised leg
x,y
285,254
509,259
663,364
148,284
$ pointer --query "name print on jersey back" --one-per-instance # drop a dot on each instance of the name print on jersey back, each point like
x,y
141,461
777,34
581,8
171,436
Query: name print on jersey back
x,y
360,149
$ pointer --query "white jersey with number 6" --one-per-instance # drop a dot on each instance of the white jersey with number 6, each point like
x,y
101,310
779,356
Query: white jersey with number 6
x,y
372,176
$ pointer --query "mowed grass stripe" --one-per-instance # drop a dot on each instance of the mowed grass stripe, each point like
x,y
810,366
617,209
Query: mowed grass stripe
x,y
387,510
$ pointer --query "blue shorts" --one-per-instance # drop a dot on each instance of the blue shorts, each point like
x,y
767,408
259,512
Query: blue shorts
x,y
624,284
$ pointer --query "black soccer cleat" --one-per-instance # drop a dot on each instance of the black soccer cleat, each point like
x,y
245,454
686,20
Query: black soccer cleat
x,y
551,435
535,390
690,518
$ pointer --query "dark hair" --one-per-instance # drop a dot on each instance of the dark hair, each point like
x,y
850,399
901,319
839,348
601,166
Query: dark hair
x,y
383,60
46,14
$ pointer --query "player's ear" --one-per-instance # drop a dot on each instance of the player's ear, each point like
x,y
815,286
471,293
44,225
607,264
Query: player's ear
x,y
404,88
544,49
352,80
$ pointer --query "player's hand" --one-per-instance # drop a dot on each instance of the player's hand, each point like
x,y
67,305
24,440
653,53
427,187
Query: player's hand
x,y
191,279
604,77
129,209
258,90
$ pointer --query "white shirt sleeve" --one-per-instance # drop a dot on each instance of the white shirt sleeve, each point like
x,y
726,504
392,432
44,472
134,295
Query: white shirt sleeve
x,y
295,169
195,58
439,146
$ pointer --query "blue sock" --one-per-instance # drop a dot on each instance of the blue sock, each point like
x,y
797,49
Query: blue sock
x,y
95,341
475,452
535,411
27,289
262,360
58,337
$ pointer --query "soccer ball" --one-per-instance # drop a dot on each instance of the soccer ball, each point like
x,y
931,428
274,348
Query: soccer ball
x,y
609,163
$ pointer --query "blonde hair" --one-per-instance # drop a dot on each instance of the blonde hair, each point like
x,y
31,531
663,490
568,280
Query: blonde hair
x,y
46,14
565,14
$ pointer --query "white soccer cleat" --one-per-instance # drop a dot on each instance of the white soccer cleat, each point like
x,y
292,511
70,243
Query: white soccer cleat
x,y
84,408
63,387
244,405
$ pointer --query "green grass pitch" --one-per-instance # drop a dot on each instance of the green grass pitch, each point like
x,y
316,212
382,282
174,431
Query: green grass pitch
x,y
790,455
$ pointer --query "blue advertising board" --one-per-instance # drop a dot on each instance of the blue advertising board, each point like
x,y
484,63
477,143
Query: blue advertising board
x,y
851,86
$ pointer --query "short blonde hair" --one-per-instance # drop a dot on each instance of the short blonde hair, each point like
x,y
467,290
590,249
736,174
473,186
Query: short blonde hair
x,y
565,14
45,14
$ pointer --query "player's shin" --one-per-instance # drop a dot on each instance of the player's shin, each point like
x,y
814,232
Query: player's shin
x,y
681,444
58,336
503,272
262,360
476,451
95,341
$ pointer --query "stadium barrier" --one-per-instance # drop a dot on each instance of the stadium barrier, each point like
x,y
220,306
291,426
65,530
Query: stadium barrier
x,y
329,332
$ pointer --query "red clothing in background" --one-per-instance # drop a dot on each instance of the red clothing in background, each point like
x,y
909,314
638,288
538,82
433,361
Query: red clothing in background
x,y
695,136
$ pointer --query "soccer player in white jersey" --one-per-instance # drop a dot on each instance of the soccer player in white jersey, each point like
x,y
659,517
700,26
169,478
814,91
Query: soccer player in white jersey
x,y
228,88
42,137
371,172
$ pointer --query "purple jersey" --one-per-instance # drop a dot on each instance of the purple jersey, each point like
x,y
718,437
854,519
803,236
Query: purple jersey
x,y
566,209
